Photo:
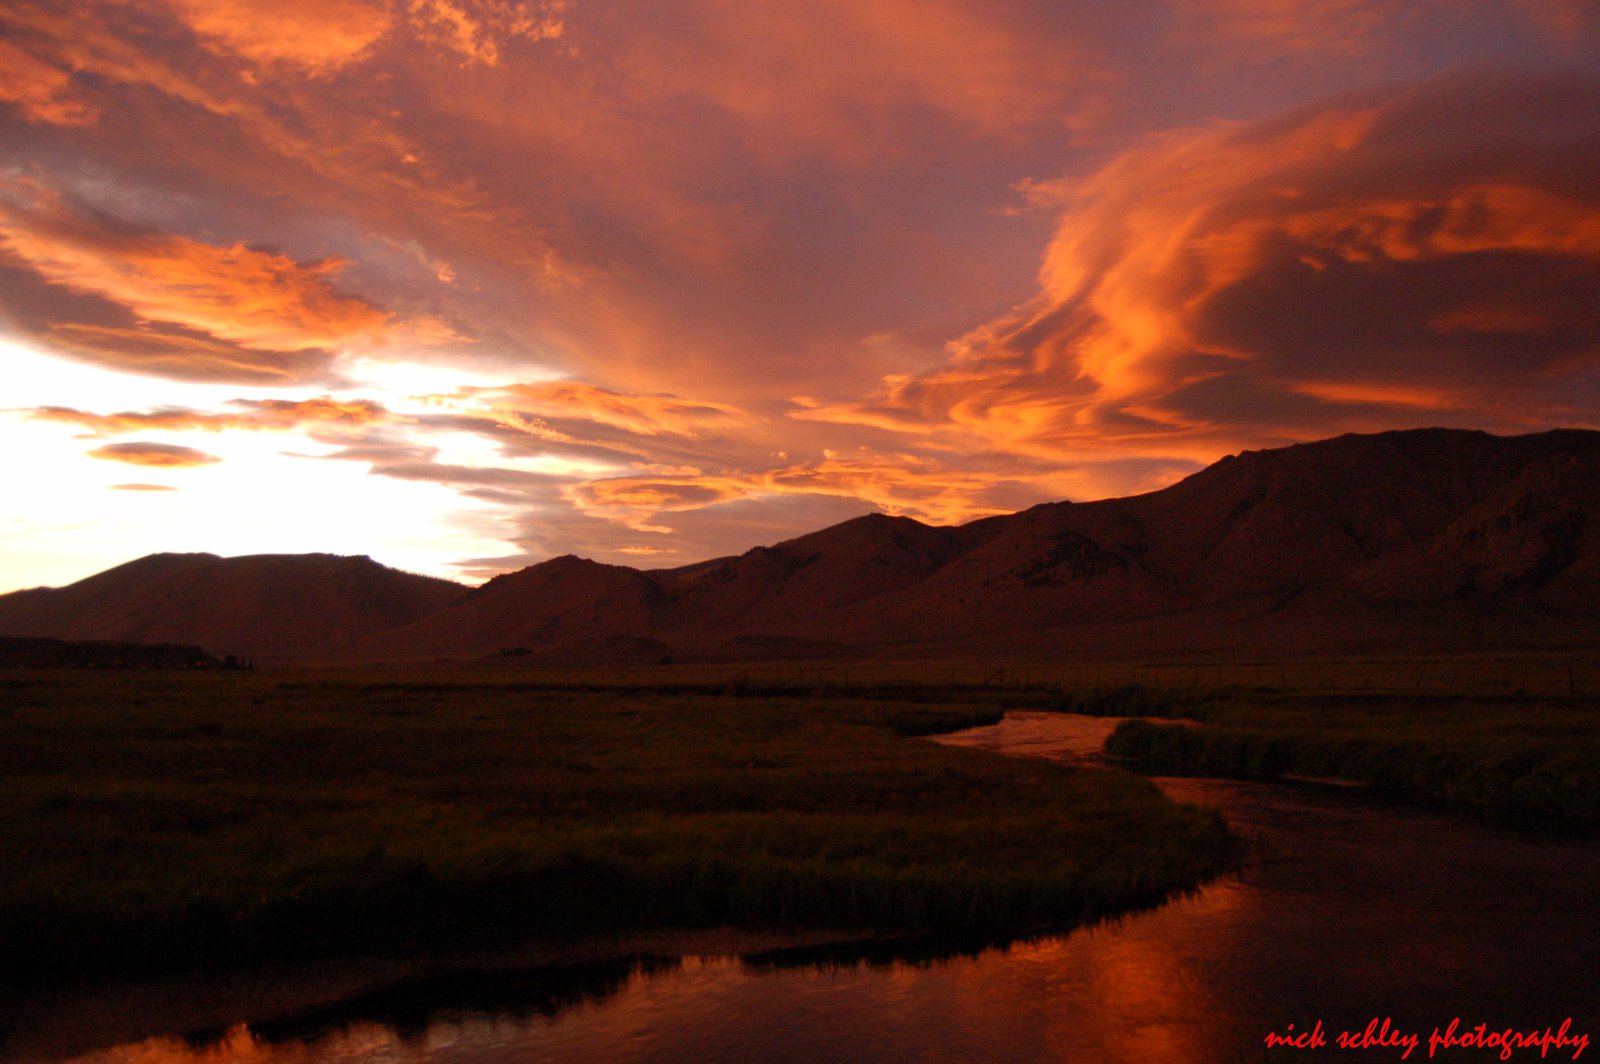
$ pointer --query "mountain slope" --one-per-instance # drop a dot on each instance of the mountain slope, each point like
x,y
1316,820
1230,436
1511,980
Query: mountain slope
x,y
1339,543
1436,517
563,600
268,605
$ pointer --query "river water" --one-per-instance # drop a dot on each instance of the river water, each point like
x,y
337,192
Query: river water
x,y
1344,912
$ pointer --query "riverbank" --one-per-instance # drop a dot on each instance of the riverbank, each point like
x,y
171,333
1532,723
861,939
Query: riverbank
x,y
1524,762
174,822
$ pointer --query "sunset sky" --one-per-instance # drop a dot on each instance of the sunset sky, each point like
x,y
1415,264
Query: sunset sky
x,y
466,284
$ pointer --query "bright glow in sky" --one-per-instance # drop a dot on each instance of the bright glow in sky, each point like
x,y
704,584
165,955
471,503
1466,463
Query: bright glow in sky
x,y
642,281
265,494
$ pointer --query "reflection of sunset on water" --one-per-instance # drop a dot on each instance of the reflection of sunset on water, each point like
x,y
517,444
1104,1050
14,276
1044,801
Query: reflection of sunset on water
x,y
240,1046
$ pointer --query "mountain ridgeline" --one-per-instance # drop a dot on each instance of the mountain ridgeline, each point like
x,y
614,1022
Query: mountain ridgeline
x,y
308,606
1428,539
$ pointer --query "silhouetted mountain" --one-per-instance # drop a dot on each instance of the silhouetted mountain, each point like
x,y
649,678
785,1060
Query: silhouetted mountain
x,y
1443,538
262,606
1429,539
1349,526
800,586
563,600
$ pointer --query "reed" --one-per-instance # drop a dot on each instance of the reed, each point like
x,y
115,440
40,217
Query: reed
x,y
1531,763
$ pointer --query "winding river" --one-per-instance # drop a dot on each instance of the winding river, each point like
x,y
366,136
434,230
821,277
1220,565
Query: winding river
x,y
1345,912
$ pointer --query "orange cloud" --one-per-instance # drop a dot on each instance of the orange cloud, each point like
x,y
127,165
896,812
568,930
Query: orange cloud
x,y
143,487
317,35
1429,399
319,140
1295,278
179,353
644,210
899,484
293,413
479,31
158,455
575,416
257,299
256,414
645,415
1461,221
41,90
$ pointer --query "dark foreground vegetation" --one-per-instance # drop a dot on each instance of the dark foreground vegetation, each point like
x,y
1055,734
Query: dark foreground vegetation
x,y
197,821
1527,762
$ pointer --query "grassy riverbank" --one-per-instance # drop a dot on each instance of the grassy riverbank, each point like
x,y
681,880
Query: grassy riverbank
x,y
1527,762
176,821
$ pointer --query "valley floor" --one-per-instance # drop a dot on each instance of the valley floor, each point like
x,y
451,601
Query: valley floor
x,y
205,822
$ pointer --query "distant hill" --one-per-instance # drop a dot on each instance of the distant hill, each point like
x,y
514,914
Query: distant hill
x,y
262,606
16,653
1421,540
563,600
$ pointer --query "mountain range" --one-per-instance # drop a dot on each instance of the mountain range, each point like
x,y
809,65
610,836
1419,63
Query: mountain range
x,y
1433,540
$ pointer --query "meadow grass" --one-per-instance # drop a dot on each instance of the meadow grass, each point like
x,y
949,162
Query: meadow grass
x,y
196,821
1554,672
1527,762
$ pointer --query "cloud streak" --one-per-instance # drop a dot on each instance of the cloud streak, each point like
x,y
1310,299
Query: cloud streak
x,y
525,405
275,415
260,300
155,455
901,484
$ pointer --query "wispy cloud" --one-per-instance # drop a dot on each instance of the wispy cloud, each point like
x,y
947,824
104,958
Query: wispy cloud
x,y
158,455
526,405
902,484
257,299
1380,256
248,415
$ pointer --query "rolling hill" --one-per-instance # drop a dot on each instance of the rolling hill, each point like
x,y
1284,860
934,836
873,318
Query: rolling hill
x,y
260,606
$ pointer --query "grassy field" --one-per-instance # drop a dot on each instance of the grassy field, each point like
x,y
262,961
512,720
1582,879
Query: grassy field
x,y
195,821
1526,761
1549,673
